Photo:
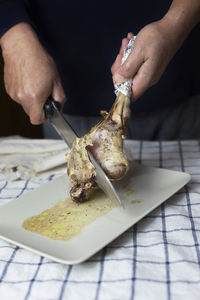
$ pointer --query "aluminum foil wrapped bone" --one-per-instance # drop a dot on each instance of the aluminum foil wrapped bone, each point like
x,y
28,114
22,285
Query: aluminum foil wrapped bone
x,y
125,87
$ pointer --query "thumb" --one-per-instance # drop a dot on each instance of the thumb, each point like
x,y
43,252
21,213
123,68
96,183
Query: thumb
x,y
129,67
58,93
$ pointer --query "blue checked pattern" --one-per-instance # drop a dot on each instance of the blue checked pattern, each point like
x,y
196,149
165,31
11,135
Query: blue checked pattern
x,y
158,258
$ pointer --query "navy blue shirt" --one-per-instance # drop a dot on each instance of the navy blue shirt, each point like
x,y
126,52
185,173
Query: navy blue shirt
x,y
84,38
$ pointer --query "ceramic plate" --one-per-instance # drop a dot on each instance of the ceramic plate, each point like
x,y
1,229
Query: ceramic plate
x,y
151,186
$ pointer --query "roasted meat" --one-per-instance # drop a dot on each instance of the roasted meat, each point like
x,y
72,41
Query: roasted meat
x,y
105,141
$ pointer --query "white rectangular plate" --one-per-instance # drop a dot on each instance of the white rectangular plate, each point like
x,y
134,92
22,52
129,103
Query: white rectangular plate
x,y
151,185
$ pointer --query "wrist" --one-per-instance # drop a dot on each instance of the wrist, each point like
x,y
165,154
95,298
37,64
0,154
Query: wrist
x,y
18,36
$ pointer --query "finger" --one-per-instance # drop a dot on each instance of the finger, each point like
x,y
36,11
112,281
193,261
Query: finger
x,y
129,67
58,93
117,63
123,45
36,113
143,79
130,35
118,60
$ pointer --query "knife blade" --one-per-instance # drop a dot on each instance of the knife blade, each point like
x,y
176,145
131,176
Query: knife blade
x,y
67,133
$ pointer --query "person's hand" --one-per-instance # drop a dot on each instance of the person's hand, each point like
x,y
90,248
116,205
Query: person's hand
x,y
30,73
154,47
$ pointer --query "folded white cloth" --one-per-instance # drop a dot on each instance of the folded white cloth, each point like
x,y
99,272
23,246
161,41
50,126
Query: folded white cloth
x,y
22,158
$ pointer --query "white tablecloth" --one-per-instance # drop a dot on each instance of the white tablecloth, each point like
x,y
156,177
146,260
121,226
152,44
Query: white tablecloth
x,y
156,259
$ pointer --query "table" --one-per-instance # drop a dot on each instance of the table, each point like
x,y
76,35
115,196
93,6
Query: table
x,y
158,258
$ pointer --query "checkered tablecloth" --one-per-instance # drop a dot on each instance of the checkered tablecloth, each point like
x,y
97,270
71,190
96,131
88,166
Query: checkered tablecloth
x,y
158,258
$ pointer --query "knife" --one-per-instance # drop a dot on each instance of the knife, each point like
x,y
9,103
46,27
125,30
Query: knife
x,y
67,133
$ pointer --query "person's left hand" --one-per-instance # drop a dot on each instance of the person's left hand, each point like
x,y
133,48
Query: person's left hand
x,y
153,49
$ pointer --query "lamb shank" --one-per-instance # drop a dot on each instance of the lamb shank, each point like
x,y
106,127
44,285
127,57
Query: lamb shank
x,y
105,142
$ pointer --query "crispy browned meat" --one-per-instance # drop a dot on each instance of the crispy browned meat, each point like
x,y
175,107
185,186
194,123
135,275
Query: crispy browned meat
x,y
105,141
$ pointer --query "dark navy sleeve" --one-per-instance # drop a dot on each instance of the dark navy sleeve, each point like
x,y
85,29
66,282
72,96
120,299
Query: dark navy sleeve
x,y
11,13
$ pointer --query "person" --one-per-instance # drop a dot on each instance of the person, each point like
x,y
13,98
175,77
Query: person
x,y
66,48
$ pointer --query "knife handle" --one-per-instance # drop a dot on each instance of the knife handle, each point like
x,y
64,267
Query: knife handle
x,y
49,107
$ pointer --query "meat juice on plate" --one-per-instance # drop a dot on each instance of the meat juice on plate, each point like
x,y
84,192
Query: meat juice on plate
x,y
67,218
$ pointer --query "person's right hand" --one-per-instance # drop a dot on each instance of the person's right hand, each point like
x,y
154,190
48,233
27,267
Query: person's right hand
x,y
30,74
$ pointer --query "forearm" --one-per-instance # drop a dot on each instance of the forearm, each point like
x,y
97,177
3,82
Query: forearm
x,y
182,17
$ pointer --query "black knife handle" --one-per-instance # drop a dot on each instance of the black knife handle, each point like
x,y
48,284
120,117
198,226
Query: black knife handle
x,y
49,107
